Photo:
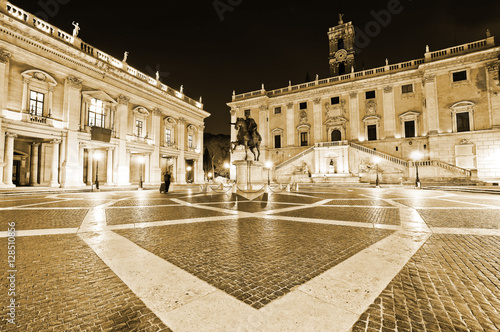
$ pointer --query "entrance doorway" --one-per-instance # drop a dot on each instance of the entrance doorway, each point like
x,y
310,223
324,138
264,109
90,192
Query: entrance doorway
x,y
16,173
336,135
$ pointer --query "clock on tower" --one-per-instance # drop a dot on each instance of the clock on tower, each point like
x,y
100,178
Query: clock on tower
x,y
341,48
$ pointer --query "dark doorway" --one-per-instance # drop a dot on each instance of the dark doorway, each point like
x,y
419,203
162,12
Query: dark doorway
x,y
16,173
336,135
341,68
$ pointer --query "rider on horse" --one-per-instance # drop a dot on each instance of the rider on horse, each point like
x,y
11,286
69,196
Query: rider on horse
x,y
252,128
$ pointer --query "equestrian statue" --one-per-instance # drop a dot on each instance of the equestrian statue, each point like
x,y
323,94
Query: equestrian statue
x,y
247,136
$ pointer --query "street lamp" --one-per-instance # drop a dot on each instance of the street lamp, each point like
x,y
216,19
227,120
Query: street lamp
x,y
141,162
97,157
377,160
416,156
269,165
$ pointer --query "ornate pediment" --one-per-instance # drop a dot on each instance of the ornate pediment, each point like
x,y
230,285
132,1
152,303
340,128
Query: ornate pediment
x,y
338,120
303,117
101,95
39,76
139,110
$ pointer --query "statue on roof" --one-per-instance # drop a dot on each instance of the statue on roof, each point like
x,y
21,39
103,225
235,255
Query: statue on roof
x,y
341,16
76,29
125,56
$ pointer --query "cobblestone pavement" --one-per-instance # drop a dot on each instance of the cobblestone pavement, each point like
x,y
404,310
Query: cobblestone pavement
x,y
316,259
451,284
64,286
254,260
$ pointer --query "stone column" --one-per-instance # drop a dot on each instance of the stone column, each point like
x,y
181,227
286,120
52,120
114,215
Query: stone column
x,y
115,166
389,113
155,170
4,77
431,117
54,181
263,129
181,161
199,176
128,157
109,167
356,134
34,164
123,174
147,170
90,164
233,120
290,125
9,159
317,118
24,102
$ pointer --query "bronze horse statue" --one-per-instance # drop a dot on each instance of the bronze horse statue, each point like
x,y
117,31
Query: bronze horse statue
x,y
244,137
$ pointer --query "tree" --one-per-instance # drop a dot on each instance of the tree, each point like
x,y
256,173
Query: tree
x,y
218,150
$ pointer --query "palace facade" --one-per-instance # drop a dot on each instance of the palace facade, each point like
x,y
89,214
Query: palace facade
x,y
440,113
70,113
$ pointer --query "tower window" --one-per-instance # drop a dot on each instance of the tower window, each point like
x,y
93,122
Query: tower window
x,y
460,76
408,88
341,44
303,106
342,70
335,101
372,132
190,141
370,94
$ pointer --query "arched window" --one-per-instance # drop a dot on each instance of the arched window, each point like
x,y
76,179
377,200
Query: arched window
x,y
336,135
341,44
342,68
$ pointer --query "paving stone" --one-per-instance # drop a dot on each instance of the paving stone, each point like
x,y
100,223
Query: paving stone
x,y
432,202
461,218
116,216
45,266
254,255
431,270
42,219
359,202
388,216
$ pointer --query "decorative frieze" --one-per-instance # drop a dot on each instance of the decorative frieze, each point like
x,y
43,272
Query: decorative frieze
x,y
317,100
371,107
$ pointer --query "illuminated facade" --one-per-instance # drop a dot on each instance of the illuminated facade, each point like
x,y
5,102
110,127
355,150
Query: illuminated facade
x,y
445,105
68,109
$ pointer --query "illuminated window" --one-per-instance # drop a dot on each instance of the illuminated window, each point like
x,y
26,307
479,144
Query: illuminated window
x,y
138,127
168,136
96,113
190,141
36,103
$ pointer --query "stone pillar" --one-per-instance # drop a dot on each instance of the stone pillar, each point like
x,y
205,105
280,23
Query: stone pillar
x,y
9,159
24,102
155,170
34,164
290,125
200,175
389,114
4,77
72,105
356,134
62,162
431,116
233,120
109,167
115,166
90,164
54,181
181,162
318,123
263,126
123,174
72,154
147,168
494,94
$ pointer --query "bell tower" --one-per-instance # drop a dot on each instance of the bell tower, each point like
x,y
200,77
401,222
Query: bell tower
x,y
341,48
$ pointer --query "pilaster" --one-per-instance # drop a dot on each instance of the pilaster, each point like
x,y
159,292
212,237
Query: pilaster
x,y
54,179
317,118
109,166
181,162
9,159
431,116
290,125
73,114
389,113
263,126
72,170
4,77
356,134
34,164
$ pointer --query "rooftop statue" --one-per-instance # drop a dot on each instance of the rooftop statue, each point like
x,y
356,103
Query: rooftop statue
x,y
76,29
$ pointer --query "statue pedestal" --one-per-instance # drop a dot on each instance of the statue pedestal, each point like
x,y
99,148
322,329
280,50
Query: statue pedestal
x,y
249,174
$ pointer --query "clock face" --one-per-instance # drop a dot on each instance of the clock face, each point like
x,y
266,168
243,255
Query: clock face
x,y
341,55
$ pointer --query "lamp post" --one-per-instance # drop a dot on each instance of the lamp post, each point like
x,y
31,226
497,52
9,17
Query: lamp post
x,y
269,165
416,156
97,157
141,162
377,161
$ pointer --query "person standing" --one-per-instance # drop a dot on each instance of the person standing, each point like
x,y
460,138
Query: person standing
x,y
166,178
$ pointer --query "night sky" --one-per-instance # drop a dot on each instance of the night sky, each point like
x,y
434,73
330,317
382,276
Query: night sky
x,y
246,43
